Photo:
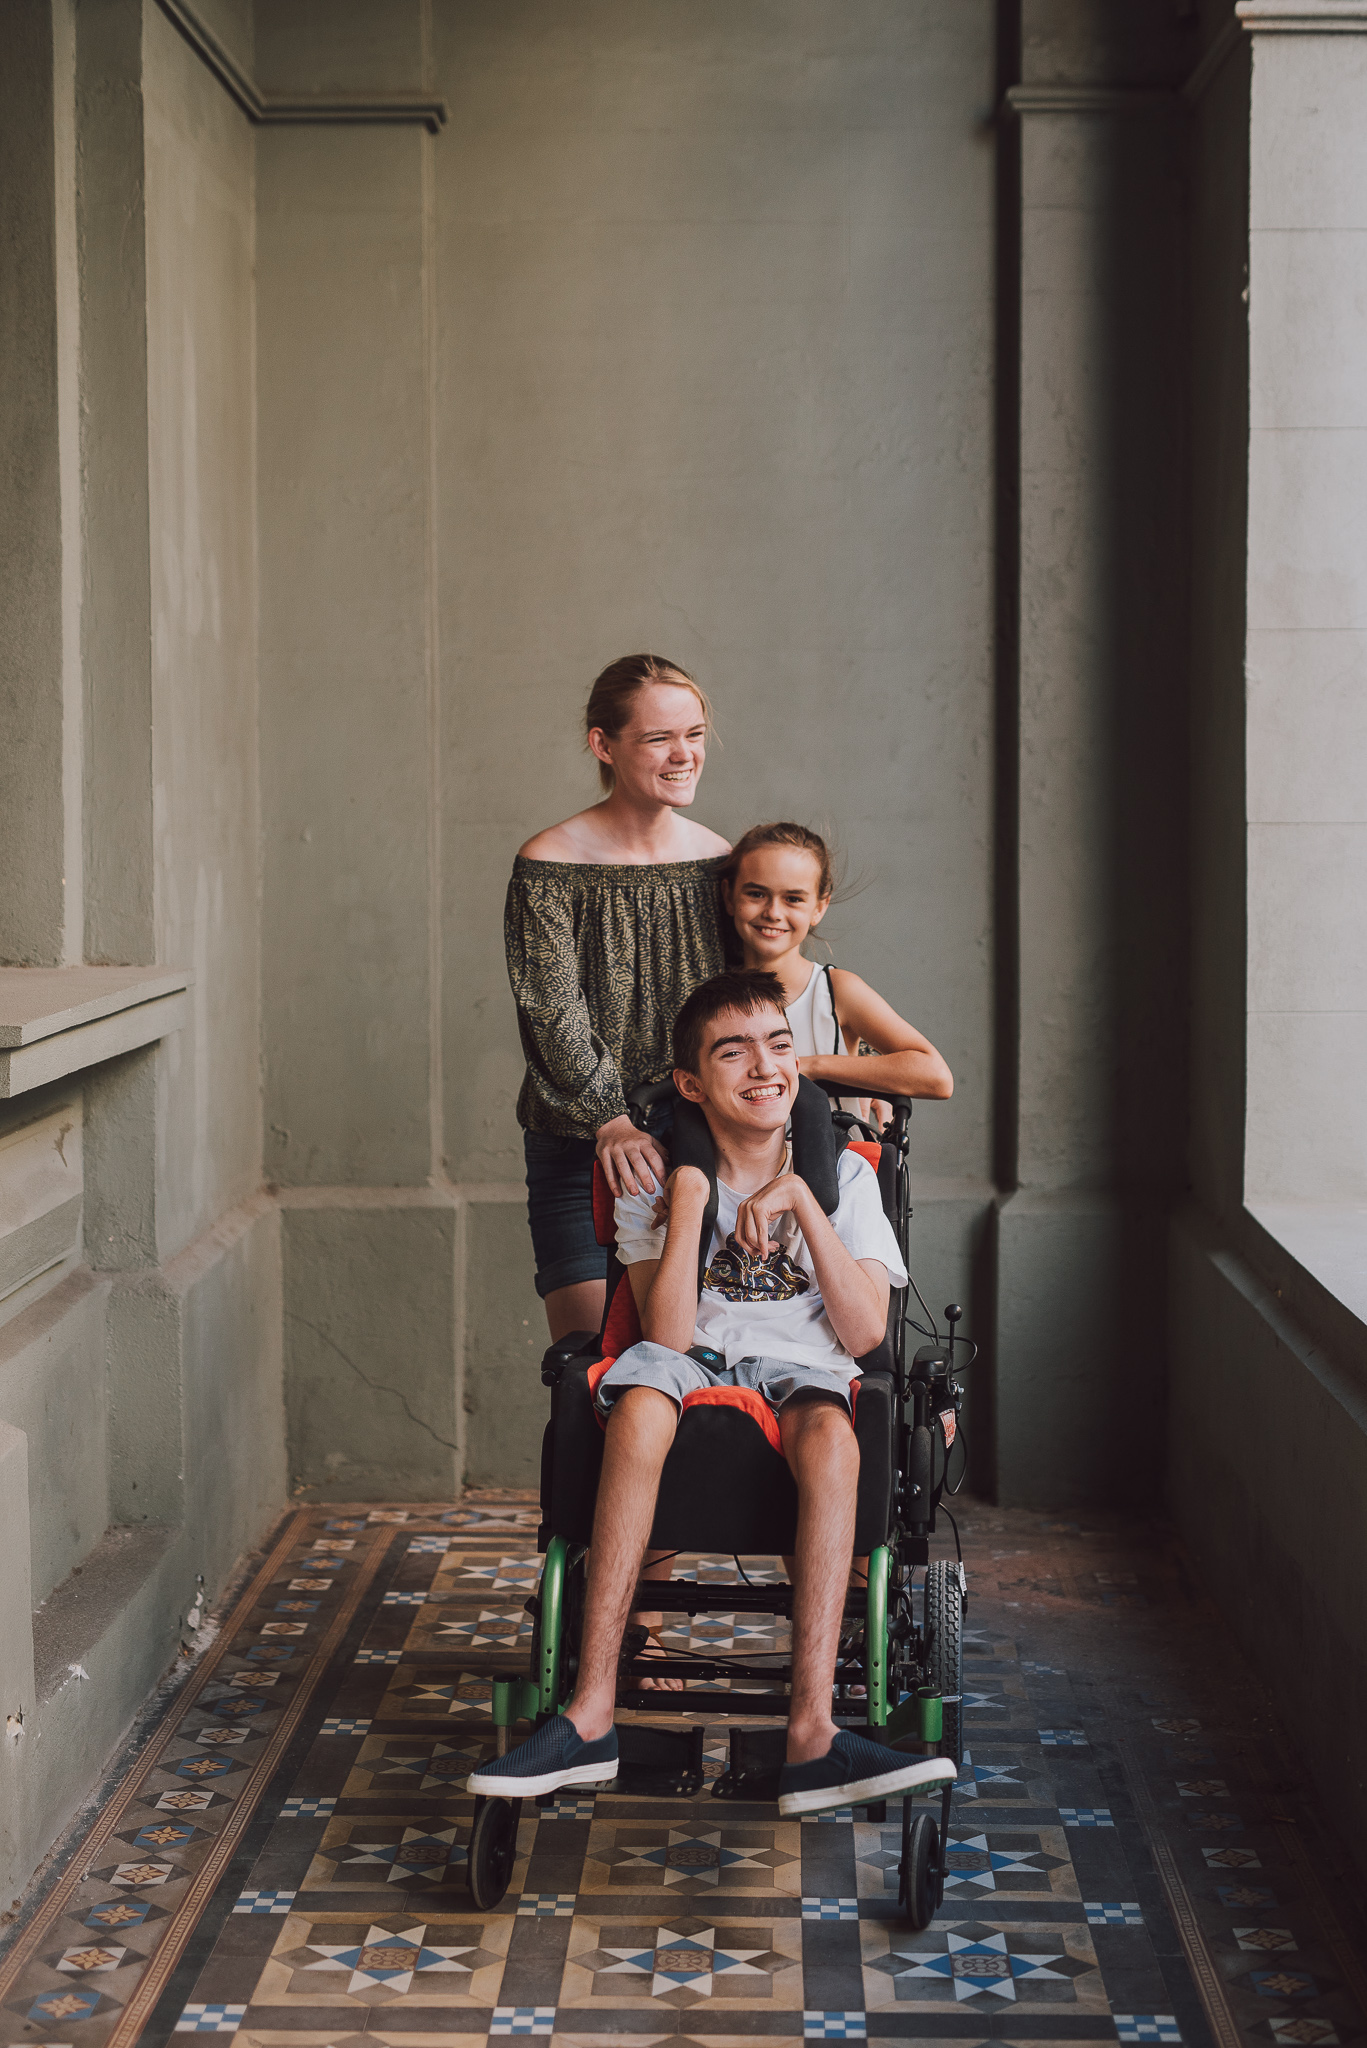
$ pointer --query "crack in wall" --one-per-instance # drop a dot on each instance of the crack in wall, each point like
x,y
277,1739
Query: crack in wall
x,y
374,1385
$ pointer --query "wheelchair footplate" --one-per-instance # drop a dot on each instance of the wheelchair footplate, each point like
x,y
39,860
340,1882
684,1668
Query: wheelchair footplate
x,y
659,1763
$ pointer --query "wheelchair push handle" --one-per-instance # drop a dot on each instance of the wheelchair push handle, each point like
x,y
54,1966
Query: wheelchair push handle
x,y
901,1111
643,1098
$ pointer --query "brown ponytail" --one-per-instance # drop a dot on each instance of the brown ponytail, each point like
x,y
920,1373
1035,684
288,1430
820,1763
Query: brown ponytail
x,y
616,689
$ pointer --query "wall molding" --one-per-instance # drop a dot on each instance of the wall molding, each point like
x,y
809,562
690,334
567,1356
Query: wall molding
x,y
1303,17
1089,99
267,110
1127,99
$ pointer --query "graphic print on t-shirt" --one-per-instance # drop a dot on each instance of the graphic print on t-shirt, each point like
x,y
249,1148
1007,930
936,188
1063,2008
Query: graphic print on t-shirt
x,y
739,1275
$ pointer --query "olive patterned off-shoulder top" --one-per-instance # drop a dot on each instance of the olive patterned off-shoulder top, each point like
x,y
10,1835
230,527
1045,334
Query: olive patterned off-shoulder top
x,y
600,959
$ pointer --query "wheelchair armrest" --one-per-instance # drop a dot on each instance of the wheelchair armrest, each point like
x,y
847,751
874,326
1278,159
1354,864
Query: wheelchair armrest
x,y
578,1347
879,1362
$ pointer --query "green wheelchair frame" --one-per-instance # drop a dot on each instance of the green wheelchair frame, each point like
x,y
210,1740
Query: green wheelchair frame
x,y
927,1716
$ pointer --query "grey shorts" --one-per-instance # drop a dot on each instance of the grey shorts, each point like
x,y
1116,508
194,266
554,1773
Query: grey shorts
x,y
670,1372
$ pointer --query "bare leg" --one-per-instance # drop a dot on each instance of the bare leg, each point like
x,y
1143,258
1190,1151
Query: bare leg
x,y
575,1308
819,1444
659,1564
640,1431
859,1571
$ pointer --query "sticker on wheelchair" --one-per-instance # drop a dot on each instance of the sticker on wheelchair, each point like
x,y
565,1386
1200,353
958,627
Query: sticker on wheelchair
x,y
949,1424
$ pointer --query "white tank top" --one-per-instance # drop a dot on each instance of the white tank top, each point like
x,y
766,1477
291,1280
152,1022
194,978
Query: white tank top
x,y
811,1018
812,1021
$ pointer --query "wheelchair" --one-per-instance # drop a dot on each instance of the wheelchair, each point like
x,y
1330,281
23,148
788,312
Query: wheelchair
x,y
726,1488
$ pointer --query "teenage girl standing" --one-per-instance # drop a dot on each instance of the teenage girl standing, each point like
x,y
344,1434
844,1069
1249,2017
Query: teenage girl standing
x,y
776,886
611,920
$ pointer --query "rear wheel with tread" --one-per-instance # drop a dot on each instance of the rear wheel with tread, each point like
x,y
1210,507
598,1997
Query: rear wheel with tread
x,y
944,1614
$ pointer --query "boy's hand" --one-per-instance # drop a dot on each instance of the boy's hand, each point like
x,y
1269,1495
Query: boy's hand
x,y
682,1179
756,1214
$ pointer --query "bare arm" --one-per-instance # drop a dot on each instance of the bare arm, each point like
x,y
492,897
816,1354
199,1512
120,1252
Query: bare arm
x,y
903,1061
855,1291
667,1292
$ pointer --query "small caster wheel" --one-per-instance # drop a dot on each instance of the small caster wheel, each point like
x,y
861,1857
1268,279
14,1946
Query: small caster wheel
x,y
918,1894
492,1852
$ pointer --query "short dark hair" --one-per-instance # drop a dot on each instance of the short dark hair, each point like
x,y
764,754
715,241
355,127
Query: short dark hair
x,y
747,989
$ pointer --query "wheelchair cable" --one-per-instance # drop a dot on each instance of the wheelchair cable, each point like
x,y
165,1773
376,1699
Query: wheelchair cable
x,y
960,1437
933,1332
958,1547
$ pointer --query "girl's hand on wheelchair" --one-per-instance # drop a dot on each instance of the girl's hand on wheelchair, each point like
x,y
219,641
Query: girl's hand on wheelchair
x,y
632,1161
757,1213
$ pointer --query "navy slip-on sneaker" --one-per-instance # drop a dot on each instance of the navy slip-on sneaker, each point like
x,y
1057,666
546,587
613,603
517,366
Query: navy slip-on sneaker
x,y
555,1754
853,1772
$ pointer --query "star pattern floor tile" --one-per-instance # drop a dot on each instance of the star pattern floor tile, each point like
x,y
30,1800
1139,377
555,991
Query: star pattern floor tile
x,y
1132,1856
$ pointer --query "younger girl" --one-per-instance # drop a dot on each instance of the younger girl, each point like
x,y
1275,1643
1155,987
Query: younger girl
x,y
776,886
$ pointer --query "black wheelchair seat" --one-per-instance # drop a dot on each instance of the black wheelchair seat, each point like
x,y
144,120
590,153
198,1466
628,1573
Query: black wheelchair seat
x,y
723,1487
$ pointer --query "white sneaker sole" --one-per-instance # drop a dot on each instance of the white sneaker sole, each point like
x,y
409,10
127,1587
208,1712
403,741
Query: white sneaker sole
x,y
932,1770
484,1783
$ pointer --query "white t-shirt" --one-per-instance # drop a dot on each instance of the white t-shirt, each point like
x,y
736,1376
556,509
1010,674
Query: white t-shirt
x,y
772,1308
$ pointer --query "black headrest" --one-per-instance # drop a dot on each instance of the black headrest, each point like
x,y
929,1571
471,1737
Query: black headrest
x,y
817,1144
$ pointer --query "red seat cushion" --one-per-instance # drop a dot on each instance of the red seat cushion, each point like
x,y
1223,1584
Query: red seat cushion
x,y
604,1220
623,1326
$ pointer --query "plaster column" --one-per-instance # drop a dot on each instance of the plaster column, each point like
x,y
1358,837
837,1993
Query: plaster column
x,y
117,615
1091,1077
352,756
1306,1127
40,858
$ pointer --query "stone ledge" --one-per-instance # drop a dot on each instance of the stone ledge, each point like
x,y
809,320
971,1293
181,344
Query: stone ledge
x,y
1303,17
1328,1240
89,1600
55,1021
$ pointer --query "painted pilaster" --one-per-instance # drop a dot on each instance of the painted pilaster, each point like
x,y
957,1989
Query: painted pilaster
x,y
1306,1133
117,622
1095,783
40,903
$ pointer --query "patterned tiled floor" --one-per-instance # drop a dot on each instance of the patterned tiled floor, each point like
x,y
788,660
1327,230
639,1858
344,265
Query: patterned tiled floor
x,y
1133,1856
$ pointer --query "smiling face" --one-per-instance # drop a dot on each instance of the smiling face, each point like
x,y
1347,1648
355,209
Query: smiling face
x,y
747,1071
658,755
774,901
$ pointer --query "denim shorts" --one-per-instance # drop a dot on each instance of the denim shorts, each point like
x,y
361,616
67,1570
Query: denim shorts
x,y
560,1204
560,1211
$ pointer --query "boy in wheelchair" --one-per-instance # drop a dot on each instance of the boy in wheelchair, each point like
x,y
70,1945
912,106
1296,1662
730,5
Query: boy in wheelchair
x,y
789,1299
